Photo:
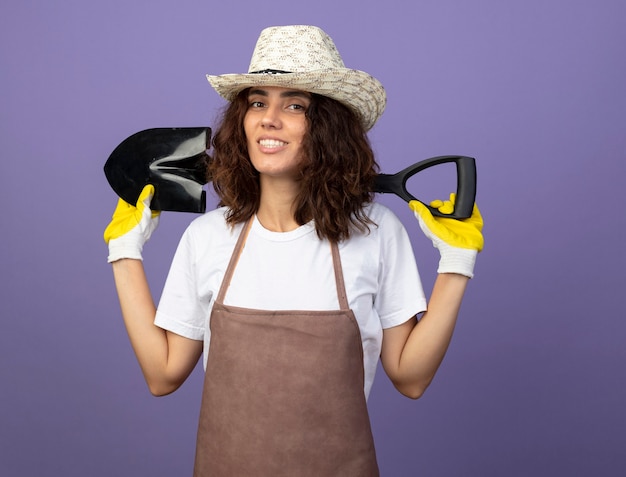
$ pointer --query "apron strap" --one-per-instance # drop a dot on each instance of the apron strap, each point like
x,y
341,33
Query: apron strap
x,y
230,270
234,258
342,296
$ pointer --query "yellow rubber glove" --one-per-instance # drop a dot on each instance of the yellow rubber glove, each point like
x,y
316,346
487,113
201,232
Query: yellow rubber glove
x,y
458,241
131,227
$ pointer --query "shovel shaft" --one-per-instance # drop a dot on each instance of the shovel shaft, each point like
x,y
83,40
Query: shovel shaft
x,y
174,161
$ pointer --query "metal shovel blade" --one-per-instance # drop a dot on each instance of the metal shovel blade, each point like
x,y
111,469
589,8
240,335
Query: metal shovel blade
x,y
173,160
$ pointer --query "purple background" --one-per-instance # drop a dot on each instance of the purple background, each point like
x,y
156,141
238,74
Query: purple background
x,y
534,383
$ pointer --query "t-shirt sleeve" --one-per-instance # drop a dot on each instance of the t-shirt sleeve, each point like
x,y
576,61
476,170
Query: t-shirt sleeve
x,y
180,309
401,294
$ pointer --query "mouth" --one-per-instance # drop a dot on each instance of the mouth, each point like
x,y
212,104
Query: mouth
x,y
271,143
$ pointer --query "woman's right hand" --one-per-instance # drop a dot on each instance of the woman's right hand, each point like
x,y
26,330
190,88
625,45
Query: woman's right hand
x,y
131,227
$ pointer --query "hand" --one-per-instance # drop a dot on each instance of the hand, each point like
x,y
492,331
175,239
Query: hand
x,y
458,241
131,227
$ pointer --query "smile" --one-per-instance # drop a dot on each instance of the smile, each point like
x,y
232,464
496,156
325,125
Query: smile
x,y
272,143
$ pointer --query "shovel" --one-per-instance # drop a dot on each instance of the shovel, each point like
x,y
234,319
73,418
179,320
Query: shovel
x,y
174,160
465,184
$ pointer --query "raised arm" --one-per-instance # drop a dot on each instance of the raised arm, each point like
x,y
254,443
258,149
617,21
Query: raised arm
x,y
413,351
166,359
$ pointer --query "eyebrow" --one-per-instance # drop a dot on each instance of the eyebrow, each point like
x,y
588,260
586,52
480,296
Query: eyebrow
x,y
284,94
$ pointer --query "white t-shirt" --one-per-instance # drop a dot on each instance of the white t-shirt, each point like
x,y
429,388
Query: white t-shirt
x,y
294,271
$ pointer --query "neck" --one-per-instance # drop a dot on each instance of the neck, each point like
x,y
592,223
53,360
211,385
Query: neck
x,y
276,208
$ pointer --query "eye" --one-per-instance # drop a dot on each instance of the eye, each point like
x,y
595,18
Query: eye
x,y
296,107
256,104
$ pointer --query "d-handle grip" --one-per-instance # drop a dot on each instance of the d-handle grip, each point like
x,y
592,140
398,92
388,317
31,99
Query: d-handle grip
x,y
465,190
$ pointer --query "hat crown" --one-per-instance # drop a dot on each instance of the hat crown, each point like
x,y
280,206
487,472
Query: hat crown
x,y
310,62
294,49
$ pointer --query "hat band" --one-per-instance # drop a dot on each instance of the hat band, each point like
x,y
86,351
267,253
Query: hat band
x,y
269,71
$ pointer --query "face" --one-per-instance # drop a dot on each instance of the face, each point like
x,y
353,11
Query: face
x,y
275,124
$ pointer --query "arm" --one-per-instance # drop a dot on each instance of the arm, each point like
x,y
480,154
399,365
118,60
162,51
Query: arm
x,y
166,359
413,351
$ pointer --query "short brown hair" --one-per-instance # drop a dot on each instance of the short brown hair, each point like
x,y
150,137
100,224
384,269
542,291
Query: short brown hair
x,y
336,173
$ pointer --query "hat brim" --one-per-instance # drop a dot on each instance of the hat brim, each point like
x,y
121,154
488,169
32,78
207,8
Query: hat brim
x,y
356,89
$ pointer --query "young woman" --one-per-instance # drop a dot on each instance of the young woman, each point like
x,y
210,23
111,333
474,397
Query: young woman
x,y
299,282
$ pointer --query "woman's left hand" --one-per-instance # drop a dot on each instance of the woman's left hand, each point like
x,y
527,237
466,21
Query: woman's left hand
x,y
458,241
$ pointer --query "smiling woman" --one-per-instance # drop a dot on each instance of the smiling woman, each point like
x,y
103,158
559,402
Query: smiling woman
x,y
298,283
275,125
330,191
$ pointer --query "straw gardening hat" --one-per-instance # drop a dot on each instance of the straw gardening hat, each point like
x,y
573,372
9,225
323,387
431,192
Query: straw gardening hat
x,y
304,57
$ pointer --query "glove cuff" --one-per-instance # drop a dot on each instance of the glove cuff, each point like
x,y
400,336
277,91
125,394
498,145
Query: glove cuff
x,y
457,260
120,248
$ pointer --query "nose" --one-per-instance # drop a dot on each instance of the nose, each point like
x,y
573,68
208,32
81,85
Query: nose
x,y
271,118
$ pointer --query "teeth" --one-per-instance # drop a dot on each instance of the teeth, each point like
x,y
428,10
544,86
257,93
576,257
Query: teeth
x,y
271,143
